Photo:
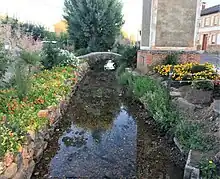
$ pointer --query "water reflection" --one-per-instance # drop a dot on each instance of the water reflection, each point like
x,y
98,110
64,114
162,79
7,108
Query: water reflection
x,y
97,152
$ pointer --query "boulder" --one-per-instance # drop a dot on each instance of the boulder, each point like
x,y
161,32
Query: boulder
x,y
199,97
11,170
43,113
175,94
216,107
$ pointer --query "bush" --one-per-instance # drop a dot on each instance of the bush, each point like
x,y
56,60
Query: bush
x,y
129,55
198,68
50,56
171,59
53,56
21,81
203,85
4,61
82,51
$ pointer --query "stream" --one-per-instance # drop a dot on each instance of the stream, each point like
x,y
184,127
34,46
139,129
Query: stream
x,y
106,134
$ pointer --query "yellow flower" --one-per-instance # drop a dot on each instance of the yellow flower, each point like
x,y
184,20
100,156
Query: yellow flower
x,y
211,162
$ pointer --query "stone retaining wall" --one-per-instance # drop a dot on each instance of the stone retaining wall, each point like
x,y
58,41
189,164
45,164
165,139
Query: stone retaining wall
x,y
22,165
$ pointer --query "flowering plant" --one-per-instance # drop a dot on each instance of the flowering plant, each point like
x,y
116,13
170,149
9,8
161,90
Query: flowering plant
x,y
187,71
17,117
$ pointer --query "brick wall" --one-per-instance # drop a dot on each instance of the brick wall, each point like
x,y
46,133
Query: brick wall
x,y
148,58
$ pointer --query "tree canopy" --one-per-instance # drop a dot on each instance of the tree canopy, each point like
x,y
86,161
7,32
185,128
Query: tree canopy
x,y
93,24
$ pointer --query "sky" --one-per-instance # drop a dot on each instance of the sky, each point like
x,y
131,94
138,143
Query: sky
x,y
48,12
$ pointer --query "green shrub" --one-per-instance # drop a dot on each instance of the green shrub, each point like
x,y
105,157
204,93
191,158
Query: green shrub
x,y
4,61
21,81
129,54
198,68
50,56
208,169
171,59
82,51
203,85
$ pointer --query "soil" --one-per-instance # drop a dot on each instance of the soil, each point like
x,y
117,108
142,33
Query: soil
x,y
107,134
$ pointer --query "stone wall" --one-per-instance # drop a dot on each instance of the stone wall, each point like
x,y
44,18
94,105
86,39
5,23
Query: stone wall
x,y
22,165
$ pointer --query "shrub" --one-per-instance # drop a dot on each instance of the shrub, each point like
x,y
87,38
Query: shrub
x,y
198,68
21,81
50,56
82,51
208,169
4,61
129,55
171,59
204,85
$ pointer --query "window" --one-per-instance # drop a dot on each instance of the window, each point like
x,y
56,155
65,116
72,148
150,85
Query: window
x,y
215,22
207,21
213,39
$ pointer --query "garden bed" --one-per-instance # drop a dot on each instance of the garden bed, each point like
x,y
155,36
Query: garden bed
x,y
27,124
190,118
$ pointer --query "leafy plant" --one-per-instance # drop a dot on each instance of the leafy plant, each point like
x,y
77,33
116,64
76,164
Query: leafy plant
x,y
128,53
4,61
171,59
198,68
50,56
204,85
208,169
21,81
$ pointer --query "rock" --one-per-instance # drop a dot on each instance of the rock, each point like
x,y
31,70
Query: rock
x,y
192,165
43,113
199,97
81,132
2,167
38,154
11,170
217,158
19,160
32,134
8,159
175,94
184,105
216,107
30,170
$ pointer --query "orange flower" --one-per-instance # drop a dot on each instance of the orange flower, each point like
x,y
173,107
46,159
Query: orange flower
x,y
11,134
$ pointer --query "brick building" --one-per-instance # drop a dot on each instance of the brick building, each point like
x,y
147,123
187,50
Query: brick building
x,y
209,29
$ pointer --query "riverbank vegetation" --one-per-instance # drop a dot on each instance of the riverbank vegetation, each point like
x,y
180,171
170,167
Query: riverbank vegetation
x,y
157,102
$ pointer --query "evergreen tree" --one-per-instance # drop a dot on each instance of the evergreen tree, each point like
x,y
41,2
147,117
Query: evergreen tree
x,y
93,24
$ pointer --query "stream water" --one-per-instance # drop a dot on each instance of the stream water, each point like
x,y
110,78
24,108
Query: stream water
x,y
107,135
